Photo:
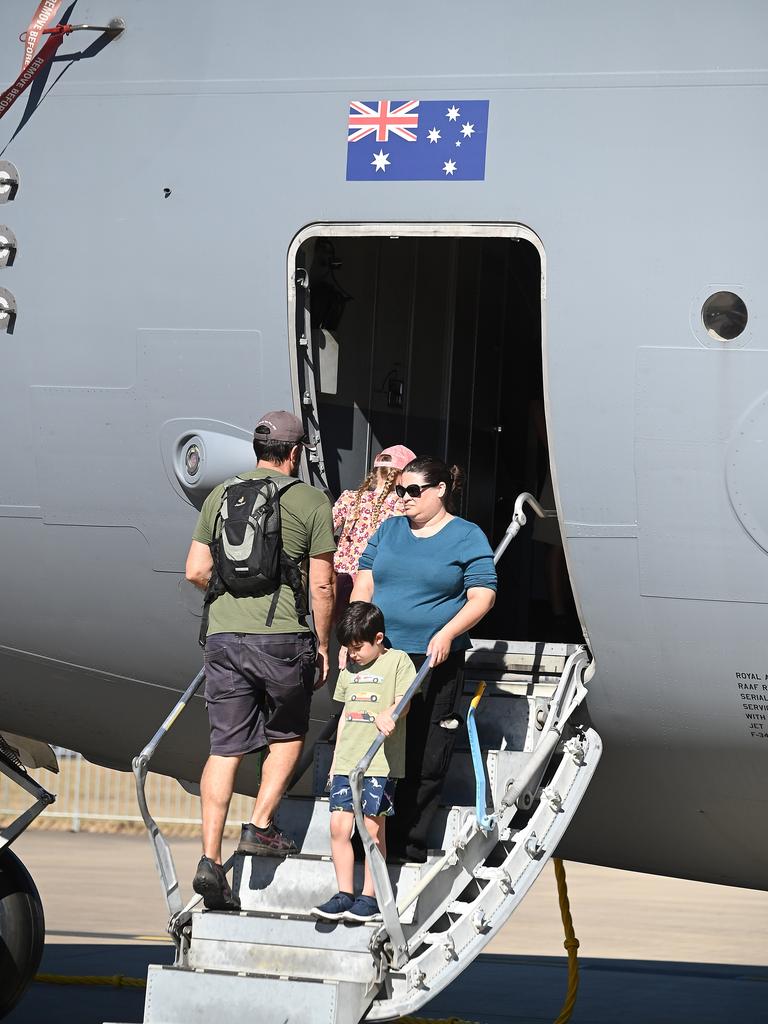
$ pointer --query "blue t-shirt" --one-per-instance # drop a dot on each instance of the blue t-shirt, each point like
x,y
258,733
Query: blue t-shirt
x,y
420,583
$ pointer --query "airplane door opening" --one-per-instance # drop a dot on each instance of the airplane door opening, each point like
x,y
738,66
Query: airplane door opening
x,y
434,340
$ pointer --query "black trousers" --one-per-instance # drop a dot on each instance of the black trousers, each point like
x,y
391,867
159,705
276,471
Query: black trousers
x,y
429,743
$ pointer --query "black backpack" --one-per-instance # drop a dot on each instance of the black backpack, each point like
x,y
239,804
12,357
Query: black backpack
x,y
247,547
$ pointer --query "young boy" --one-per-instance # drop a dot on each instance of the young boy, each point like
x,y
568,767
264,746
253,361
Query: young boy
x,y
370,686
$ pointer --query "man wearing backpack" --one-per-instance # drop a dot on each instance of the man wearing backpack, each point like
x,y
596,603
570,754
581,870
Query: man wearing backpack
x,y
261,658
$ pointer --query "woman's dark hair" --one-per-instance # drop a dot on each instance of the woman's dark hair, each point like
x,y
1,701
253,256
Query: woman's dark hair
x,y
435,471
275,452
360,623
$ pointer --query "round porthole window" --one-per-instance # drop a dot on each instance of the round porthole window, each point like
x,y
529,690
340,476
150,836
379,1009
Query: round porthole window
x,y
192,460
724,316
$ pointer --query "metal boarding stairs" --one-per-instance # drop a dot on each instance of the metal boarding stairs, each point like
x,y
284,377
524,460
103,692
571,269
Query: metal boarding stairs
x,y
510,792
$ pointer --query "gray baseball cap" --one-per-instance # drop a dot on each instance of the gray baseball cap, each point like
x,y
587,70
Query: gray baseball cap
x,y
281,426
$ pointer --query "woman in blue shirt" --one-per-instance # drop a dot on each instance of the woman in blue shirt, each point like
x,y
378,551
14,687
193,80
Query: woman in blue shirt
x,y
432,575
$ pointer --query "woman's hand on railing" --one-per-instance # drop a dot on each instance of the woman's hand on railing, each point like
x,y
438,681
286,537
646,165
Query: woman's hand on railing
x,y
439,647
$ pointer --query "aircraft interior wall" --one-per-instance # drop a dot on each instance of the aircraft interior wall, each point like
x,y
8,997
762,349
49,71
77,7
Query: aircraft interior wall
x,y
435,342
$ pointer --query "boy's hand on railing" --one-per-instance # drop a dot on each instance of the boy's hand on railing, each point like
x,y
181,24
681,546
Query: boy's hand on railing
x,y
385,723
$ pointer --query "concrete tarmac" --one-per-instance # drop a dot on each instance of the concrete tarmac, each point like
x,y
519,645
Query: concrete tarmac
x,y
653,950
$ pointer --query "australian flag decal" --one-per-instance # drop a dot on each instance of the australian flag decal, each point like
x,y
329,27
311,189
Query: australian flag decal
x,y
417,140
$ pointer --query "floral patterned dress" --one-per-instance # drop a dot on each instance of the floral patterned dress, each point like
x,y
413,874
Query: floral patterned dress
x,y
354,535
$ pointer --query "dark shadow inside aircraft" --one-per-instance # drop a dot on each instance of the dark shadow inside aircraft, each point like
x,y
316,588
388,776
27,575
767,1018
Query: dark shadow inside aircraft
x,y
435,342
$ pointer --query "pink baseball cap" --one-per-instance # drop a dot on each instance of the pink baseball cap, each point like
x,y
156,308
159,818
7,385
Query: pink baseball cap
x,y
396,457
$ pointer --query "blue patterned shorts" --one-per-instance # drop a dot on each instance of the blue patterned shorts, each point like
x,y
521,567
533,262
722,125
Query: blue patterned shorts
x,y
378,795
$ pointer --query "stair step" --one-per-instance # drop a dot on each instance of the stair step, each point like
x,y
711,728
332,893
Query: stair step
x,y
530,658
292,885
273,944
176,995
306,821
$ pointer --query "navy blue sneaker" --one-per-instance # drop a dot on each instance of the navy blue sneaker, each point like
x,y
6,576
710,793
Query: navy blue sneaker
x,y
365,908
334,908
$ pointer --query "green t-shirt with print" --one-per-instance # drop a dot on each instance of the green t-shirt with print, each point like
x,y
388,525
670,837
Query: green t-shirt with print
x,y
307,531
365,692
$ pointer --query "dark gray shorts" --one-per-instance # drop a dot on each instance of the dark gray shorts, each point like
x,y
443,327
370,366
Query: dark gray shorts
x,y
258,689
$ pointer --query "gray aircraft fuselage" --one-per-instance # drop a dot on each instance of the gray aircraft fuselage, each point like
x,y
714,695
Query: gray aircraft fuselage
x,y
164,181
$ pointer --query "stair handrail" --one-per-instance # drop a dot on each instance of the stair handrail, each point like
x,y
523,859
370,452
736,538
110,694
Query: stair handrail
x,y
519,519
378,866
162,851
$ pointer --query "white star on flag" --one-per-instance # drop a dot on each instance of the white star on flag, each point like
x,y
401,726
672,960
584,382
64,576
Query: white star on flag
x,y
467,130
458,142
453,113
433,135
380,160
449,166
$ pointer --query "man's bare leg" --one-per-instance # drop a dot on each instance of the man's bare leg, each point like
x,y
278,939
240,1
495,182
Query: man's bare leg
x,y
276,772
216,786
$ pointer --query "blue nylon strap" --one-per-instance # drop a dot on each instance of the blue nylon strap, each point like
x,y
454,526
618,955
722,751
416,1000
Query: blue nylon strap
x,y
484,820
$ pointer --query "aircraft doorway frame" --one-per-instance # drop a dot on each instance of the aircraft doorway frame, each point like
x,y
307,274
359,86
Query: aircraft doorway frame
x,y
305,405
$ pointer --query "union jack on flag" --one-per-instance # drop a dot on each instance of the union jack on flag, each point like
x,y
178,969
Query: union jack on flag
x,y
417,140
382,118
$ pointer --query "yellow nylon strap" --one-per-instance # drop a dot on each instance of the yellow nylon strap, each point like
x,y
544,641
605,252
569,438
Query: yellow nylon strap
x,y
478,694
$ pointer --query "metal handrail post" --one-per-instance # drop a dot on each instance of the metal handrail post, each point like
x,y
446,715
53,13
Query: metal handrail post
x,y
519,519
378,865
161,849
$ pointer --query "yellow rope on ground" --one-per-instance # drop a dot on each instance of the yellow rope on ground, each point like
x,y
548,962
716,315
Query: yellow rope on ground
x,y
115,980
571,944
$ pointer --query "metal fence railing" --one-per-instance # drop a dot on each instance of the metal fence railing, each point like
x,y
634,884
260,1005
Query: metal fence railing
x,y
96,799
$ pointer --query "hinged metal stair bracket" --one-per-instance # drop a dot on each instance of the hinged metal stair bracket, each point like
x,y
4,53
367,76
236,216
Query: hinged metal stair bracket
x,y
308,379
13,768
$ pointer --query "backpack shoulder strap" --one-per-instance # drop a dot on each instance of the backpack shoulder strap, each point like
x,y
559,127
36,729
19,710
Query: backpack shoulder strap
x,y
283,486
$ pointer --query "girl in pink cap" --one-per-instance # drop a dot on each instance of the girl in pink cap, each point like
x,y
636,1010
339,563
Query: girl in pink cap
x,y
358,514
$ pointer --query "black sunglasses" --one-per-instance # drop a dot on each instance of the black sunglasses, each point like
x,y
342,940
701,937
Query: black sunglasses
x,y
412,490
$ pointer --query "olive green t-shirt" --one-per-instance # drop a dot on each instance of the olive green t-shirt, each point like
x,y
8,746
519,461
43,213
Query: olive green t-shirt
x,y
307,531
365,692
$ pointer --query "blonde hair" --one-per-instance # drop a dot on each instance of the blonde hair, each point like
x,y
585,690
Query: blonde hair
x,y
366,485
